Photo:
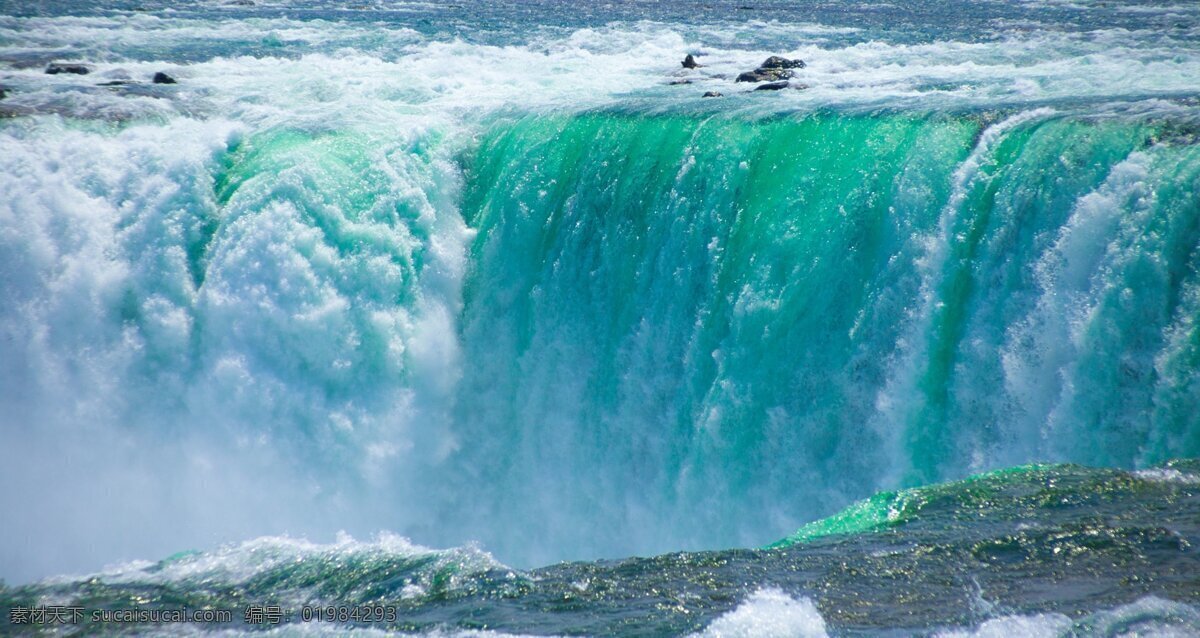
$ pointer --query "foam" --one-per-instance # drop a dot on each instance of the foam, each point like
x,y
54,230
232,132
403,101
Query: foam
x,y
143,322
1150,616
769,613
253,66
1167,475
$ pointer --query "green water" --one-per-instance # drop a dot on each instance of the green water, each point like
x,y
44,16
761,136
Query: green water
x,y
748,323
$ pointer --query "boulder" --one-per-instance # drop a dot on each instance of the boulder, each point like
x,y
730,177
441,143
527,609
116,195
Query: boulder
x,y
765,75
777,62
712,94
163,78
772,86
689,62
78,69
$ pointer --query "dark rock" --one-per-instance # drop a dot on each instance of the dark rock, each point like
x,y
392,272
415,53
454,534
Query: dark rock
x,y
3,93
163,78
78,69
115,83
675,82
765,75
772,86
689,62
712,94
777,62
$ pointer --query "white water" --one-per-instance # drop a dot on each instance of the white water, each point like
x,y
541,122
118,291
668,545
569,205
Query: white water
x,y
143,412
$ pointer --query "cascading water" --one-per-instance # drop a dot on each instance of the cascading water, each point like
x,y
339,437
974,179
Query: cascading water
x,y
694,329
555,303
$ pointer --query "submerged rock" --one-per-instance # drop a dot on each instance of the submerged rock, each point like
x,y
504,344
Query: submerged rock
x,y
78,69
713,94
163,78
772,86
675,82
689,62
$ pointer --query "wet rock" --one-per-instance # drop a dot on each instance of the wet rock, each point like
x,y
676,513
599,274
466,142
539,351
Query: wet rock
x,y
777,62
78,69
689,62
772,86
115,83
712,94
765,75
163,78
773,69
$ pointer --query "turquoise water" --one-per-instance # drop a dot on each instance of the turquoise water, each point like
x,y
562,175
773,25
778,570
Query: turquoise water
x,y
773,315
481,276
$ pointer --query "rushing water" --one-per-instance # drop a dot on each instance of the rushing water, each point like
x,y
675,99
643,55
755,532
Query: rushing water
x,y
488,275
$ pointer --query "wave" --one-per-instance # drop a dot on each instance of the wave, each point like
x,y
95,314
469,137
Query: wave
x,y
1027,494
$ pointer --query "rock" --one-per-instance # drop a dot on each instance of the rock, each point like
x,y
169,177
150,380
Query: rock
x,y
114,83
163,78
3,93
676,82
78,69
772,86
765,75
777,62
689,62
773,69
712,94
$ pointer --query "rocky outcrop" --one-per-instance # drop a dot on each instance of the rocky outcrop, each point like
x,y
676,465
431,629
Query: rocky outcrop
x,y
163,78
765,75
689,62
78,69
772,86
773,69
712,94
777,62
